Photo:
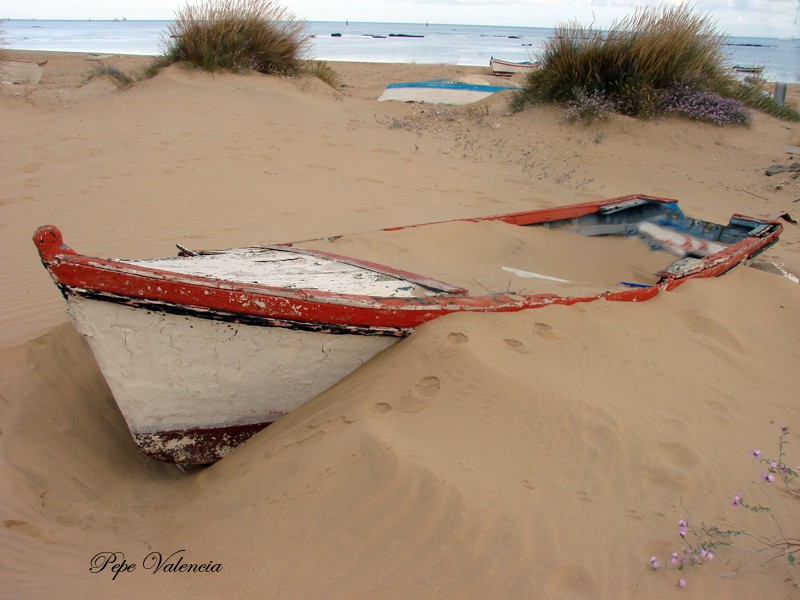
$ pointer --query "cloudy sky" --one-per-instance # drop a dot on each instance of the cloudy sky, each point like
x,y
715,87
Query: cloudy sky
x,y
769,18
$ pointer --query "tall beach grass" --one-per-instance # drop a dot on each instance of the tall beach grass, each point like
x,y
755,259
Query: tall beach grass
x,y
237,35
652,62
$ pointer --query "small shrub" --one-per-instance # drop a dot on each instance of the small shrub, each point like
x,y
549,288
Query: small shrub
x,y
520,99
237,35
120,78
754,96
477,112
400,123
629,63
655,60
158,63
324,72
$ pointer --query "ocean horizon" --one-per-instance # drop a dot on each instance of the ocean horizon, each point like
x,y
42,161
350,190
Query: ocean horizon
x,y
422,43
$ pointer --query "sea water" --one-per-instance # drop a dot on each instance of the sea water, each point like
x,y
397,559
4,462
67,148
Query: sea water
x,y
374,42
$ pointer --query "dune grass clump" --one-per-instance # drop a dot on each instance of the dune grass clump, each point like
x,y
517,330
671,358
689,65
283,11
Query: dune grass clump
x,y
755,96
633,64
324,72
120,78
237,35
154,67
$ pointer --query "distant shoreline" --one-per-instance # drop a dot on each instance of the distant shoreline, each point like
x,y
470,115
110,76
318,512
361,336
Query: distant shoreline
x,y
793,89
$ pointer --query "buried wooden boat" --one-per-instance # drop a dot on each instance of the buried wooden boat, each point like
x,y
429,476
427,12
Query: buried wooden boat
x,y
507,68
203,350
463,90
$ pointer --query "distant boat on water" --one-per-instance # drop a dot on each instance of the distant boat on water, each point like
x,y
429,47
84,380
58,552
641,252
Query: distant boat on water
x,y
750,69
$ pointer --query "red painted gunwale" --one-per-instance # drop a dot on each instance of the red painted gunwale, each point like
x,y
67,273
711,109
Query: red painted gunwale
x,y
77,273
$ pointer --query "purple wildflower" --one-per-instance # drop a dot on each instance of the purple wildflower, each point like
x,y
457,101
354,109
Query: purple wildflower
x,y
675,558
683,528
768,477
654,563
737,499
589,106
704,106
681,583
756,453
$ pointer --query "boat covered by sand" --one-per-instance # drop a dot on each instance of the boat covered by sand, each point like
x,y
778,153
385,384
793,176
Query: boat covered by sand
x,y
459,91
204,349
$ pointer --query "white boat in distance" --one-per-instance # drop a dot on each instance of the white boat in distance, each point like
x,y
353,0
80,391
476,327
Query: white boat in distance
x,y
507,68
205,349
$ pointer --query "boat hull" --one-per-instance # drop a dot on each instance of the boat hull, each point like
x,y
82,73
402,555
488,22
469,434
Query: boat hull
x,y
191,389
440,91
201,357
506,68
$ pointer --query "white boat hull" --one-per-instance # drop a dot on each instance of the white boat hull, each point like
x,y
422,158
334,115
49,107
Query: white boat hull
x,y
506,68
196,386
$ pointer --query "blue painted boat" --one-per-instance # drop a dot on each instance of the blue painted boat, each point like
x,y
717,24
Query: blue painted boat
x,y
442,91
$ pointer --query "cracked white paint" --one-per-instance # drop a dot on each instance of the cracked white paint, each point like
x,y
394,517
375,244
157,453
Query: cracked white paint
x,y
170,372
279,268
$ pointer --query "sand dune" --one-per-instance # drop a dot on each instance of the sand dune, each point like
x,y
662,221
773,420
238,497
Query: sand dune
x,y
542,454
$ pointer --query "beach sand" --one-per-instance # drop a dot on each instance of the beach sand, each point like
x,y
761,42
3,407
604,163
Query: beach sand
x,y
542,454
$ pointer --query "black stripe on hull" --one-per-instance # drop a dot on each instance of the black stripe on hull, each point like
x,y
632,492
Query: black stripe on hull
x,y
229,317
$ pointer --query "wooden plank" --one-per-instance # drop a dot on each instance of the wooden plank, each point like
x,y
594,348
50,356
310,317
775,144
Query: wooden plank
x,y
421,280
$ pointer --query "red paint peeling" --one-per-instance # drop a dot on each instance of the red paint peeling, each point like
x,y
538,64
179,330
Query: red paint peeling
x,y
77,272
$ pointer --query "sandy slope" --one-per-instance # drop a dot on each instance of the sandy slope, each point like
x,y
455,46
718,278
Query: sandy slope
x,y
543,454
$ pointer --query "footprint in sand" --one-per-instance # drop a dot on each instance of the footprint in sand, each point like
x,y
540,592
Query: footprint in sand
x,y
634,514
570,581
545,330
457,338
516,345
420,397
23,527
381,407
679,455
427,386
